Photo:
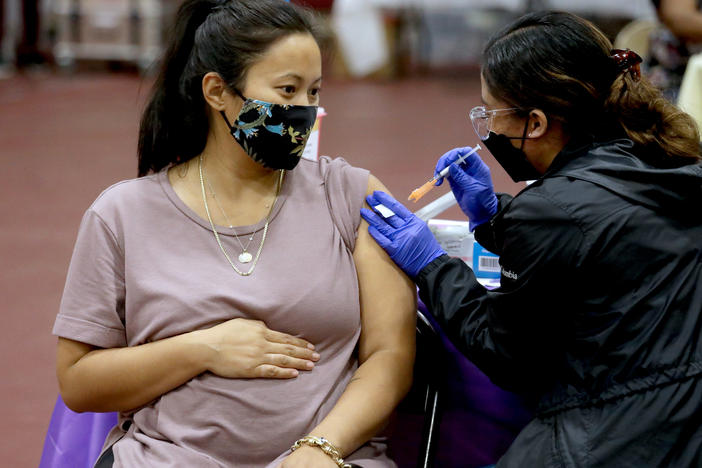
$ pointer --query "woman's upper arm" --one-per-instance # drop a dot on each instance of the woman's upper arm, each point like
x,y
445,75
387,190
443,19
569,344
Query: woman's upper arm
x,y
671,9
387,296
683,19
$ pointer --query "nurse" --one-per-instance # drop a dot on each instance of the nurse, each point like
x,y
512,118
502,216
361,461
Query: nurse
x,y
599,313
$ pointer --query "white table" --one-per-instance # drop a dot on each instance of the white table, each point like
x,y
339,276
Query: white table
x,y
360,30
359,24
511,5
622,9
632,9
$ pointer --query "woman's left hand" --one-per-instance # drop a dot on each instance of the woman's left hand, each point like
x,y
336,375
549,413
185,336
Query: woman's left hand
x,y
308,457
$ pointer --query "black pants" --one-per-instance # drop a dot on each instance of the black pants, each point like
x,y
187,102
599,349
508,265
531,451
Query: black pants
x,y
106,460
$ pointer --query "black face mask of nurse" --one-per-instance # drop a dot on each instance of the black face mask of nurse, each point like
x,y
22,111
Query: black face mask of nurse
x,y
513,160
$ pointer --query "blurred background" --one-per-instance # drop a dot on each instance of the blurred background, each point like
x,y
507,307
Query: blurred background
x,y
74,76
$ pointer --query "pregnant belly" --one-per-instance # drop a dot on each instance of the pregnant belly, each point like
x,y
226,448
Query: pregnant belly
x,y
242,422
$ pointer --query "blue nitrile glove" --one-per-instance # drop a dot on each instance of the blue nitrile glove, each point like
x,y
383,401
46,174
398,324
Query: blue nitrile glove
x,y
406,238
471,184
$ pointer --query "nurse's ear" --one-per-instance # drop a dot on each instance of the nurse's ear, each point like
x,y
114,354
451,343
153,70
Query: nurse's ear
x,y
538,124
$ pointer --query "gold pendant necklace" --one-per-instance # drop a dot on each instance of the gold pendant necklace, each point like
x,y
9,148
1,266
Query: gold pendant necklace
x,y
216,234
244,256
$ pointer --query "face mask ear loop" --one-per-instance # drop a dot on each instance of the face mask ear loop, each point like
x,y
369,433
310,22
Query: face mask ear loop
x,y
226,120
524,137
238,93
231,127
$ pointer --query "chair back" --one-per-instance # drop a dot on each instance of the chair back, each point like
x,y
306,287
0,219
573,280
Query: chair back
x,y
635,36
75,439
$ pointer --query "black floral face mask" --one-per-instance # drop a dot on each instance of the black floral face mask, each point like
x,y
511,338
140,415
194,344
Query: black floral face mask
x,y
274,135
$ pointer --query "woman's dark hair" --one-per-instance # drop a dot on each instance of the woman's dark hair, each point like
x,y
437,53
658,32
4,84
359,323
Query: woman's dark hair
x,y
225,37
562,64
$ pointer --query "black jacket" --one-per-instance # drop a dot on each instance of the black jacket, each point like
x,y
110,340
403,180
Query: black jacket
x,y
599,313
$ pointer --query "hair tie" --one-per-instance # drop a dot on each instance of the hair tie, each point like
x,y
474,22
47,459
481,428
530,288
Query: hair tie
x,y
627,61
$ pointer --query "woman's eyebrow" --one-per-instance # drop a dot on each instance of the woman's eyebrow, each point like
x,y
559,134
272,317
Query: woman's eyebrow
x,y
297,77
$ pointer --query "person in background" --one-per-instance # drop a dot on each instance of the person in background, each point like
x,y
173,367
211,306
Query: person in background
x,y
599,311
229,303
672,44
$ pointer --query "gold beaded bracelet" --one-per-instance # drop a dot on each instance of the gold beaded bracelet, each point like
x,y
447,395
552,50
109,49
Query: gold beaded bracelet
x,y
324,445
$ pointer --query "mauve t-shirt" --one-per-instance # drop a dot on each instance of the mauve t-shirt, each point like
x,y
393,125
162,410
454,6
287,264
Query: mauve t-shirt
x,y
146,267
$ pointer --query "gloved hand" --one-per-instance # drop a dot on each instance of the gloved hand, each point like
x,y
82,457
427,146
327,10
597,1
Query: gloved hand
x,y
471,184
406,238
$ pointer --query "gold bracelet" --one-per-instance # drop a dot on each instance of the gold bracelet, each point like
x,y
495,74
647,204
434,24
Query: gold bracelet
x,y
324,445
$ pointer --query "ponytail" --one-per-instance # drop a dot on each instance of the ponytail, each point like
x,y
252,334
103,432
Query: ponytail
x,y
222,36
651,121
171,115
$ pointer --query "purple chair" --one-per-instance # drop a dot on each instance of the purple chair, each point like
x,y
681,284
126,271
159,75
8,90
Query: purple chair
x,y
75,439
476,421
479,420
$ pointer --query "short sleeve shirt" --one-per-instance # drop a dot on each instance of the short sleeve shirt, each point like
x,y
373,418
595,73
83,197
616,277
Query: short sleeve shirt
x,y
146,267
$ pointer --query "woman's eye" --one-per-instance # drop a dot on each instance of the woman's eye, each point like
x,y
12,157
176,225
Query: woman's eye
x,y
315,91
289,89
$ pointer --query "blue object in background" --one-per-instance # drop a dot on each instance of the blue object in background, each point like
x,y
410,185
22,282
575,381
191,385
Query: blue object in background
x,y
75,439
485,263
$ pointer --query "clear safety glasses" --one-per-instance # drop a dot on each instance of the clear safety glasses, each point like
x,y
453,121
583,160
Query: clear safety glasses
x,y
482,119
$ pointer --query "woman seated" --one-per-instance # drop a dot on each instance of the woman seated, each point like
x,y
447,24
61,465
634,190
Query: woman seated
x,y
228,306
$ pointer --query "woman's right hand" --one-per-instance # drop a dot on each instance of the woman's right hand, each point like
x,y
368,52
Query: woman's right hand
x,y
243,348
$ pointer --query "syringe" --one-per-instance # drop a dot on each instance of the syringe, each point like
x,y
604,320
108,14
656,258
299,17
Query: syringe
x,y
424,189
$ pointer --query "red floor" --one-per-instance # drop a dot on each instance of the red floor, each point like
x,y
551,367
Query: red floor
x,y
64,139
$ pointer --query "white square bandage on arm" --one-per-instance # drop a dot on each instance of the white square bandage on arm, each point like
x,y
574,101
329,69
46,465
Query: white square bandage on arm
x,y
384,211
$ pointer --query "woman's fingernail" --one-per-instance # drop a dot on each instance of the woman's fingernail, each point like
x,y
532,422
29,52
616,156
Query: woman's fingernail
x,y
315,355
310,346
310,365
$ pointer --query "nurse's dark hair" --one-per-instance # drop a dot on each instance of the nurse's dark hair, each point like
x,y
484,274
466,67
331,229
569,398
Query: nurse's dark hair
x,y
562,64
225,37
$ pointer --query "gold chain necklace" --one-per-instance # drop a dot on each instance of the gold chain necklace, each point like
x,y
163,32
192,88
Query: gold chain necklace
x,y
244,256
216,234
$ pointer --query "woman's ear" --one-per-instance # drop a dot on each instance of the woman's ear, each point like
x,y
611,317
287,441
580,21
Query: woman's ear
x,y
214,90
538,124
